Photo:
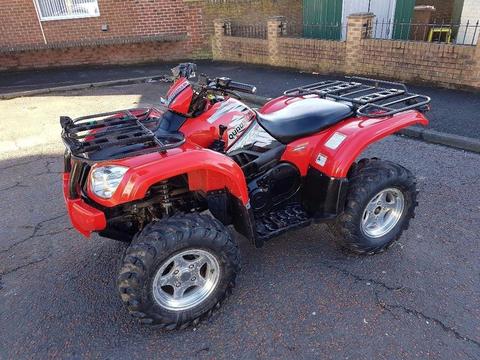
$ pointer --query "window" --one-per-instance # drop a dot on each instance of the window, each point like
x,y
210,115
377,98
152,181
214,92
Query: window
x,y
67,9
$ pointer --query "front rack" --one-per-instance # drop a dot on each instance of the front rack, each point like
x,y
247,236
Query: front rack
x,y
366,96
118,130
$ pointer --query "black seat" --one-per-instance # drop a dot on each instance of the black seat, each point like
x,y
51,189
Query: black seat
x,y
303,118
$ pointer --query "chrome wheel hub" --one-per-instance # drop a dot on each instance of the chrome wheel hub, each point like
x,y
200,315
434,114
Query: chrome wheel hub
x,y
383,212
186,279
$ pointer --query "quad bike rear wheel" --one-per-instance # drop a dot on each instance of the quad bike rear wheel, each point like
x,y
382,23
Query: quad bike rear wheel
x,y
380,203
178,270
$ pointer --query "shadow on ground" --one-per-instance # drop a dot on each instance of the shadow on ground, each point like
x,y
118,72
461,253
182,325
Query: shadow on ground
x,y
299,296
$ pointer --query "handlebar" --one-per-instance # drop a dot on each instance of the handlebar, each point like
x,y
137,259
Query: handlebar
x,y
238,86
228,84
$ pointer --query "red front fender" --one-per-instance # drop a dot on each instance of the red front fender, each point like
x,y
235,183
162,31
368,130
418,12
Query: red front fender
x,y
206,170
352,136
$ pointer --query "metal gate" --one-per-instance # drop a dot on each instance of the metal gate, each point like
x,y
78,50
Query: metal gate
x,y
322,19
403,19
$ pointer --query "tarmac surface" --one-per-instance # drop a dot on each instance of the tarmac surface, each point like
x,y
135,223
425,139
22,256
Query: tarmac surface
x,y
300,296
453,111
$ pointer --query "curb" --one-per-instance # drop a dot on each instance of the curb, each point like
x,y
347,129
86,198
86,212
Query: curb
x,y
138,80
414,132
436,137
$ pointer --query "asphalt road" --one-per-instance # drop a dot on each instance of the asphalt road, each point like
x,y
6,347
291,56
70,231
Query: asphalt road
x,y
300,296
453,111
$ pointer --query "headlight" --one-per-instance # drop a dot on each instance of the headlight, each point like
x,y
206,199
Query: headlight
x,y
105,180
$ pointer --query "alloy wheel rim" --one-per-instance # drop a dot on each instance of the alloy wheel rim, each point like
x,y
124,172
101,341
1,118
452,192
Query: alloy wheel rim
x,y
382,213
186,279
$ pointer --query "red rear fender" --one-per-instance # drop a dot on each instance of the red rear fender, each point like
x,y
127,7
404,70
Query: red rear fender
x,y
333,150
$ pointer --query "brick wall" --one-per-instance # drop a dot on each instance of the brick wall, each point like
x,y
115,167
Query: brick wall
x,y
138,31
443,9
253,51
188,22
314,55
308,54
446,65
442,64
98,55
252,11
19,22
249,12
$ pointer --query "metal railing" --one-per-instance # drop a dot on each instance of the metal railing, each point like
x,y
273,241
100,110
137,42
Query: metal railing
x,y
459,34
325,31
255,31
67,9
437,32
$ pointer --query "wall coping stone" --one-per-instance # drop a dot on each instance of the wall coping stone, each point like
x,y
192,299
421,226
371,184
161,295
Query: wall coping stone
x,y
98,42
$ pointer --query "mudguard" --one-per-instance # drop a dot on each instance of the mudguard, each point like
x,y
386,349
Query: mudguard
x,y
333,150
206,171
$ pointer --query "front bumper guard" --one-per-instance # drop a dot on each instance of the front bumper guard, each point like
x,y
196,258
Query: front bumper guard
x,y
85,218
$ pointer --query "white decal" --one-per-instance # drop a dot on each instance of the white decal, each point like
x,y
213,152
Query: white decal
x,y
335,140
177,91
300,147
225,107
235,127
321,159
255,135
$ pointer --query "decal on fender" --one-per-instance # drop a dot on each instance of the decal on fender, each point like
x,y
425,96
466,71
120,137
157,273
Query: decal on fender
x,y
300,147
335,140
321,159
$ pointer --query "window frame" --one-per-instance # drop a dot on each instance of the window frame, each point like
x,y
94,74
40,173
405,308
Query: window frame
x,y
65,17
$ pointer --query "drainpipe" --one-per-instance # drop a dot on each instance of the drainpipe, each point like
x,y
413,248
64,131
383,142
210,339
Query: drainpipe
x,y
39,21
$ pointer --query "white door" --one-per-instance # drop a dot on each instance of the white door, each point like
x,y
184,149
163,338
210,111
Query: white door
x,y
384,11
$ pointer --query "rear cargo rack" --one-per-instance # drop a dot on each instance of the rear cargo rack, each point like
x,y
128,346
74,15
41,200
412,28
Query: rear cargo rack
x,y
368,97
86,135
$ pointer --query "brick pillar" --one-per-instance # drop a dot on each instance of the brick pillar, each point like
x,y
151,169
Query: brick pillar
x,y
359,27
219,26
475,74
274,31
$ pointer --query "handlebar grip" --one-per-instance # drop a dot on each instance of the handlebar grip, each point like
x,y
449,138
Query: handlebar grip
x,y
238,86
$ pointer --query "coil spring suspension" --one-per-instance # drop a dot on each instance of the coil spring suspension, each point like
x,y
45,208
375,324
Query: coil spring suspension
x,y
165,202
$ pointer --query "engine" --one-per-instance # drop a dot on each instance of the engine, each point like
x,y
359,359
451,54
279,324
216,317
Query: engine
x,y
275,187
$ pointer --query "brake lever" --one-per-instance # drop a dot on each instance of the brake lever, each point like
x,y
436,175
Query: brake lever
x,y
225,91
233,93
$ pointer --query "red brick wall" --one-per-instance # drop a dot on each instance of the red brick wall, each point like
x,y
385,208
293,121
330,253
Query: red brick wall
x,y
99,55
124,18
131,19
19,28
252,11
18,23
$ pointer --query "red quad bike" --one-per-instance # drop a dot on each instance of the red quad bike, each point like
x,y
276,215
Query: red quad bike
x,y
170,180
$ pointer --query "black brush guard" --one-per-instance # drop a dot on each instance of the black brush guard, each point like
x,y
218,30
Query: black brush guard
x,y
367,97
87,135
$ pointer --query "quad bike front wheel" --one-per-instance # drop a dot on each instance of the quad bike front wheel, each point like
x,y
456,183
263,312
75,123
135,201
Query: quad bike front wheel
x,y
380,203
178,270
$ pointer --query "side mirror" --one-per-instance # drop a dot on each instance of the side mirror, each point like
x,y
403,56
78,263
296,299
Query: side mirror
x,y
186,70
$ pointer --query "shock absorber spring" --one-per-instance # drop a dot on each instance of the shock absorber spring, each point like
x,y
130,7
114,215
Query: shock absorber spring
x,y
165,202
